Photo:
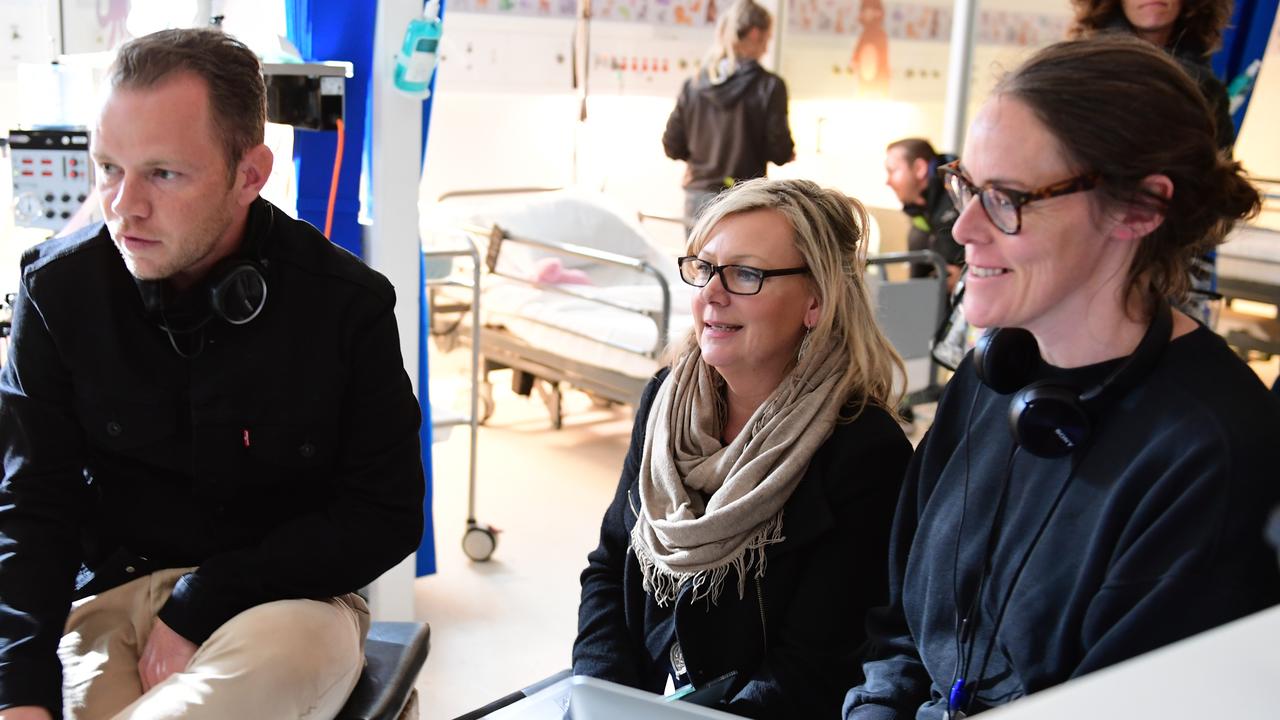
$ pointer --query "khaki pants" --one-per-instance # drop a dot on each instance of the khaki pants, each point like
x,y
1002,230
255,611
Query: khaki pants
x,y
284,659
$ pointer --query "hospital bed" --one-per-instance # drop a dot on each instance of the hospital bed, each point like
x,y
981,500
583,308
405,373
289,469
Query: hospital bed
x,y
1249,269
575,294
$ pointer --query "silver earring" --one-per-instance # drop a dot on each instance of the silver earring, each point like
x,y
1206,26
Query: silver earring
x,y
804,344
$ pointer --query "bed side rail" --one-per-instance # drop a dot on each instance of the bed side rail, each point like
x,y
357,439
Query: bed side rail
x,y
1269,188
1249,263
644,217
497,236
480,192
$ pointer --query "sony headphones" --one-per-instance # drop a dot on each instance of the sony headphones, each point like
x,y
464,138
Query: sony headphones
x,y
234,290
1049,419
237,290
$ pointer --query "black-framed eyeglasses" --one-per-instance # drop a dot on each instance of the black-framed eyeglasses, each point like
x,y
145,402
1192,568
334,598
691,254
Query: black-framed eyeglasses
x,y
1004,205
737,279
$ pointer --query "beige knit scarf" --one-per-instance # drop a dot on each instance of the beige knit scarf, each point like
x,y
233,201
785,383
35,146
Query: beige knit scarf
x,y
707,508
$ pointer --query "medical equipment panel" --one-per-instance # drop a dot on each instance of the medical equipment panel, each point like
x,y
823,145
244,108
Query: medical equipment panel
x,y
308,96
51,175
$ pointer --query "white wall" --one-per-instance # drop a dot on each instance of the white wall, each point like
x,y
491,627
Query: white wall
x,y
491,132
1258,145
28,33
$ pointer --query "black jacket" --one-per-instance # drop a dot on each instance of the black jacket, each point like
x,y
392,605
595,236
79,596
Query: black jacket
x,y
931,223
728,132
795,638
1194,59
282,459
1153,534
1215,94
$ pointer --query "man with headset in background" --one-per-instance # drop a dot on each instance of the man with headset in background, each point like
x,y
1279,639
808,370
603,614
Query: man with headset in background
x,y
911,166
208,436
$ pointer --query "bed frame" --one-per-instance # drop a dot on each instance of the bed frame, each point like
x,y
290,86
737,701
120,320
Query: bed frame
x,y
542,370
1250,333
918,306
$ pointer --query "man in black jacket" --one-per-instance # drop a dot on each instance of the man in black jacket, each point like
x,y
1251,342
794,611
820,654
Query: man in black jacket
x,y
911,166
730,120
209,440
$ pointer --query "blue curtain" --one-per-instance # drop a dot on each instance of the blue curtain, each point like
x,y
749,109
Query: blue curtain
x,y
334,31
427,549
327,30
1243,45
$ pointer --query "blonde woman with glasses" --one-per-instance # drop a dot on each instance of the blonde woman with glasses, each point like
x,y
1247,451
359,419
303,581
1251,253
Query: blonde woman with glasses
x,y
748,533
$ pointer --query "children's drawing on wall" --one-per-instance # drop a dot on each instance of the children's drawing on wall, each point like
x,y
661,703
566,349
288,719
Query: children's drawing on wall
x,y
113,20
997,27
687,13
827,17
871,54
920,22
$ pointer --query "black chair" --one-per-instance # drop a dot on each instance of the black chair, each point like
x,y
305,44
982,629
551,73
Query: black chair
x,y
394,653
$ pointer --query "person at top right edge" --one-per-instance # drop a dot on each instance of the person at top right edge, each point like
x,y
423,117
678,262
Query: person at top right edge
x,y
1190,31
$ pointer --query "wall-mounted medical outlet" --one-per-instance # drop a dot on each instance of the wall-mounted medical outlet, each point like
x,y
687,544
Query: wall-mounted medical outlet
x,y
309,96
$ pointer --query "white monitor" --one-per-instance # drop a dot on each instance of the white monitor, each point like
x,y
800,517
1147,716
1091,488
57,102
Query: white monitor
x,y
1228,672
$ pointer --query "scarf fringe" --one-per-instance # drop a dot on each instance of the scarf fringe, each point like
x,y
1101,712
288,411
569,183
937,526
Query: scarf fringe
x,y
665,584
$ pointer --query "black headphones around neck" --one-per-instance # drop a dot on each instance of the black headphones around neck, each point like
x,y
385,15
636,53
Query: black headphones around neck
x,y
234,289
1049,419
237,290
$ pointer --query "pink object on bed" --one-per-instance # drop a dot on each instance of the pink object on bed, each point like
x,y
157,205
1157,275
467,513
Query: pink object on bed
x,y
551,271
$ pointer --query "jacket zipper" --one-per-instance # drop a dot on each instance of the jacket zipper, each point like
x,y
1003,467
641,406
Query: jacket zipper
x,y
764,629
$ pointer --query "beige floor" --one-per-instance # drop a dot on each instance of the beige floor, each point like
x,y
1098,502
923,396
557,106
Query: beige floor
x,y
500,625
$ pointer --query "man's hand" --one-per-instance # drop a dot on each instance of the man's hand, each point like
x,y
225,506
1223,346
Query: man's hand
x,y
166,653
25,712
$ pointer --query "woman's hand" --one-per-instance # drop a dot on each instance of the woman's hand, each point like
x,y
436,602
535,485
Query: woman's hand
x,y
26,712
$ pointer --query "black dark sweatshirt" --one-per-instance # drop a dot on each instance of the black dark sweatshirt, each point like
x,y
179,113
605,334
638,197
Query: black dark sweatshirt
x,y
1158,535
728,132
931,223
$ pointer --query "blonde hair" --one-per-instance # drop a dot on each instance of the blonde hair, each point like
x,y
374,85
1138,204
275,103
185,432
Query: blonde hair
x,y
732,27
829,229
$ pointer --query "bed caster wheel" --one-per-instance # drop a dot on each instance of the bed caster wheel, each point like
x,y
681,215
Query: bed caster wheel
x,y
479,542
